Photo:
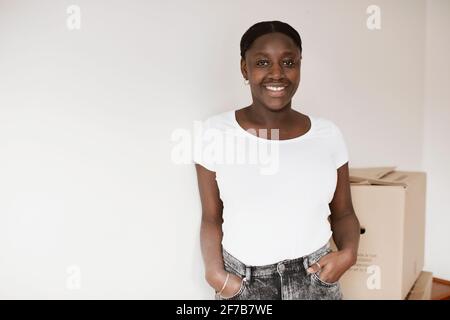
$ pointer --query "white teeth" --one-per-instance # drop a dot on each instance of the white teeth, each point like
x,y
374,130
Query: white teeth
x,y
275,88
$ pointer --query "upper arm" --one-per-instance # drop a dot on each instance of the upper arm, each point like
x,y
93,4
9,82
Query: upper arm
x,y
342,200
212,205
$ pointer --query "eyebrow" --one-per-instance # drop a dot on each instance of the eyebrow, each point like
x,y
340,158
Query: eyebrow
x,y
265,53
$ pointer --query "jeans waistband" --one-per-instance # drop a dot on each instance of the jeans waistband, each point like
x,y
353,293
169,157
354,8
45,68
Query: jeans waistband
x,y
287,265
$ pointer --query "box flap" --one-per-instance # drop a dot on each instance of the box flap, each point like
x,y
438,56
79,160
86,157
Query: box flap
x,y
422,287
378,176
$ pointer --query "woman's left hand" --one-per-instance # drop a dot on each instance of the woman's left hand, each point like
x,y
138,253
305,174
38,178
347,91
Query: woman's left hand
x,y
333,265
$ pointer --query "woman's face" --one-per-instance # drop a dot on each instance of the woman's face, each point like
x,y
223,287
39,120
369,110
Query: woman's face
x,y
272,66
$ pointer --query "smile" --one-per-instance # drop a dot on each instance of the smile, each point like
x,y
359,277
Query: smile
x,y
275,91
274,88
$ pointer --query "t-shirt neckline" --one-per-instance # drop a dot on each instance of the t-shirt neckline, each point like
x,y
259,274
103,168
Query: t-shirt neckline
x,y
246,133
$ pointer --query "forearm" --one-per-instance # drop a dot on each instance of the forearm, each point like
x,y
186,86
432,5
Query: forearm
x,y
346,234
211,247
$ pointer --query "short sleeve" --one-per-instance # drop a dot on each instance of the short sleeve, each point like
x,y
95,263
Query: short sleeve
x,y
204,148
339,146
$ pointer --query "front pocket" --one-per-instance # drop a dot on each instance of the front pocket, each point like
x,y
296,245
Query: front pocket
x,y
316,278
237,294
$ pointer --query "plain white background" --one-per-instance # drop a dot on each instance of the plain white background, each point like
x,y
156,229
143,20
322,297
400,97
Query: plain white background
x,y
92,204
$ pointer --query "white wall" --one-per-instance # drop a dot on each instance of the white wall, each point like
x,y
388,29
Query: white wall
x,y
436,150
86,116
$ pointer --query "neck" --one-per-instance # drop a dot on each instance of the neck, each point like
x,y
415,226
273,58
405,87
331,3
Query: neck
x,y
269,118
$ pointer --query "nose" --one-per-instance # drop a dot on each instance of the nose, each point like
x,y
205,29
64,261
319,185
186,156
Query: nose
x,y
276,71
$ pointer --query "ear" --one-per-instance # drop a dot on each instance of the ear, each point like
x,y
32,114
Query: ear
x,y
244,68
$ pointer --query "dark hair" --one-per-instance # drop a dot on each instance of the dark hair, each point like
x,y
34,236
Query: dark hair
x,y
264,27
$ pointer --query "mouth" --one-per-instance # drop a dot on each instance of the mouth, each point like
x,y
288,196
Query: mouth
x,y
275,90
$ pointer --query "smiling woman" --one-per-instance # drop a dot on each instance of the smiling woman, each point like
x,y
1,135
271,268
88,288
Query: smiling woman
x,y
266,235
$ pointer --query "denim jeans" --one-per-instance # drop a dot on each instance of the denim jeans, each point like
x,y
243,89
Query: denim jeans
x,y
284,280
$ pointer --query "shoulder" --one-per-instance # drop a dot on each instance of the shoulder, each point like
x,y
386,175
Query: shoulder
x,y
325,126
221,121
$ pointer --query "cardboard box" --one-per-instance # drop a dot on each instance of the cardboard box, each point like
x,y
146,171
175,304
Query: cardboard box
x,y
422,288
390,206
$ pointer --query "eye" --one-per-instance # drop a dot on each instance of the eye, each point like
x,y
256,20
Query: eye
x,y
261,62
290,63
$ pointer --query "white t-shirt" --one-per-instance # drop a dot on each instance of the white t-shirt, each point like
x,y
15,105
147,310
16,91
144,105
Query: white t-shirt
x,y
275,194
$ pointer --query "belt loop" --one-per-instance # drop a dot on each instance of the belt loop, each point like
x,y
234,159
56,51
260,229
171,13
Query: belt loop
x,y
305,262
248,273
